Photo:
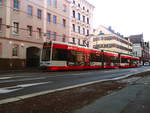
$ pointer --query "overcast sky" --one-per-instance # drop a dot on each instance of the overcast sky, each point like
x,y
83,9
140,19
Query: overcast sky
x,y
128,17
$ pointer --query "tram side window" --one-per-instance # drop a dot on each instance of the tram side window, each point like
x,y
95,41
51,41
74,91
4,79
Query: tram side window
x,y
80,58
76,58
107,60
46,54
114,59
59,54
95,57
72,56
133,62
124,60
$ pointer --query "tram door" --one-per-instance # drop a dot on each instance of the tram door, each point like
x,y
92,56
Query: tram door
x,y
107,60
87,59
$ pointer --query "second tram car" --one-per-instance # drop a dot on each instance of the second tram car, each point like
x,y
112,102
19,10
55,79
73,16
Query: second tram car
x,y
61,56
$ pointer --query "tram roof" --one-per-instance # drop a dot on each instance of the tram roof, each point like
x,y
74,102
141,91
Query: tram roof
x,y
57,42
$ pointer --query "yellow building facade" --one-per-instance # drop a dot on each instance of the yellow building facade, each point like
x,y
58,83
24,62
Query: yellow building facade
x,y
106,39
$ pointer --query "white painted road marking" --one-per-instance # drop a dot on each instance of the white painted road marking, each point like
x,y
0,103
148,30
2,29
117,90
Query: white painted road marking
x,y
18,87
3,91
25,79
11,77
2,78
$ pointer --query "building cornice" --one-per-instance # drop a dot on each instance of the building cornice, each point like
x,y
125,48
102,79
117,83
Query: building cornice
x,y
18,40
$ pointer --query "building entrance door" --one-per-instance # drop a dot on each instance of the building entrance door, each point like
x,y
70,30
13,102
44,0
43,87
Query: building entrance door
x,y
33,57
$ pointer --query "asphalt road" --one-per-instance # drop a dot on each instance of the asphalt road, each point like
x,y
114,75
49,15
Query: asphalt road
x,y
19,84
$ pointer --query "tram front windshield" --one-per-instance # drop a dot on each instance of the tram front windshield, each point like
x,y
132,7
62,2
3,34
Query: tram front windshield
x,y
46,54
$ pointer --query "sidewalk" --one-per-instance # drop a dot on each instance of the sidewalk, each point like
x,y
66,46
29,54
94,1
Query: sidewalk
x,y
135,98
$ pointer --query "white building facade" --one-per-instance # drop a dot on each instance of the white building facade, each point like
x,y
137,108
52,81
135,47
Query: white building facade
x,y
81,16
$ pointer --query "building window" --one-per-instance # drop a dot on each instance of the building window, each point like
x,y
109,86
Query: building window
x,y
84,42
0,24
83,8
16,4
78,5
48,35
54,19
15,50
64,38
87,10
73,27
74,14
78,41
78,16
83,31
16,27
0,49
55,4
30,10
87,44
64,8
83,18
29,29
48,17
73,40
64,23
49,2
74,2
0,2
39,14
39,30
87,20
78,29
54,35
87,32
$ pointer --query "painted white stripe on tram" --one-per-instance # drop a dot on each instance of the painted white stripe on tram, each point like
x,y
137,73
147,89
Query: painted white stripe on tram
x,y
19,87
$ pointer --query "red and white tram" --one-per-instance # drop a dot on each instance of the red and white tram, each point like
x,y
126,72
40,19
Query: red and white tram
x,y
61,56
